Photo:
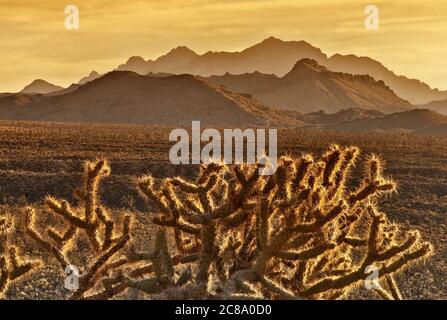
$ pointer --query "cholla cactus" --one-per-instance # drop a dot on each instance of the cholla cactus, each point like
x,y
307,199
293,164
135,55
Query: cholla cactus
x,y
12,266
92,220
297,234
233,234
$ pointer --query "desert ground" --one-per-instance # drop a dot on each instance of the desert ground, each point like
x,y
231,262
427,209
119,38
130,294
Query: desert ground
x,y
39,159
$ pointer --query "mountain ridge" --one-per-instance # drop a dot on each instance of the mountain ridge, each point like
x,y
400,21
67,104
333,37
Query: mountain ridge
x,y
309,87
127,97
416,120
40,86
259,57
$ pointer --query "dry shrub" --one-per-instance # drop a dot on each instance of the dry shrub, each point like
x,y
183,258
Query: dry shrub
x,y
296,234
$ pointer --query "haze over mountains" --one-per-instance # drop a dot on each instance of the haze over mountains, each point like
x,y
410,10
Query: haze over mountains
x,y
274,56
40,86
271,57
417,120
309,87
126,97
274,83
439,106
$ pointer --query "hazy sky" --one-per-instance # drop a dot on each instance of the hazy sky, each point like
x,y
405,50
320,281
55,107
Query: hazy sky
x,y
411,40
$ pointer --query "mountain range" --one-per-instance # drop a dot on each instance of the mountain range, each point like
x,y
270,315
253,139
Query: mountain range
x,y
310,87
158,98
416,120
275,56
274,83
127,97
439,106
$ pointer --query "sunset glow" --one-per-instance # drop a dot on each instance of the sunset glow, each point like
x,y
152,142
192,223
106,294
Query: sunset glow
x,y
35,43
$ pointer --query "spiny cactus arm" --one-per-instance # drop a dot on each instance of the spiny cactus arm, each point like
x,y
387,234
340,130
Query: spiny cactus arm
x,y
93,173
117,286
330,215
395,249
12,266
372,187
207,169
109,226
239,217
403,259
374,168
162,260
393,287
166,217
332,160
3,248
146,188
89,280
354,241
62,240
62,208
383,294
186,186
208,251
349,155
277,289
301,170
238,194
94,220
262,223
18,268
4,275
161,269
48,247
407,258
162,221
306,254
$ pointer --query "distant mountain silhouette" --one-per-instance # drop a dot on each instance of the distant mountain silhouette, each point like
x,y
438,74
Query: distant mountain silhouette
x,y
309,87
274,56
92,76
40,86
126,97
344,115
270,56
415,91
440,130
439,106
413,120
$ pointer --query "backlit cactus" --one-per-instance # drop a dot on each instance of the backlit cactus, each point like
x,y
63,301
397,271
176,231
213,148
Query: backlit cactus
x,y
12,266
90,219
299,233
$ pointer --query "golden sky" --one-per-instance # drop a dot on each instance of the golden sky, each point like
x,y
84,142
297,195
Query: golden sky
x,y
411,40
